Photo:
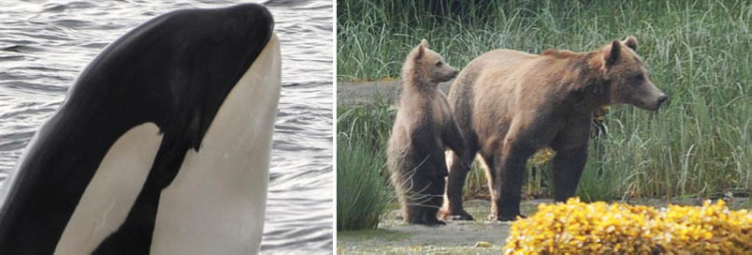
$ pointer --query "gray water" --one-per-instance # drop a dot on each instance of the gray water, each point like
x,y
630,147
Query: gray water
x,y
44,44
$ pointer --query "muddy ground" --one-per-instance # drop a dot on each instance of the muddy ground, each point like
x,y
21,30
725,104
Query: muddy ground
x,y
459,237
393,236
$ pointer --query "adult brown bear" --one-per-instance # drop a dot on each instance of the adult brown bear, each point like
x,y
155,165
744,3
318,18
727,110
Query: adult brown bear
x,y
510,104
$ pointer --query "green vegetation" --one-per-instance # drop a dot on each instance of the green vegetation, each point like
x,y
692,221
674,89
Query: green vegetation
x,y
363,191
699,52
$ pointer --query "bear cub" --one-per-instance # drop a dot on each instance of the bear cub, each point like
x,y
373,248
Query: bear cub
x,y
422,131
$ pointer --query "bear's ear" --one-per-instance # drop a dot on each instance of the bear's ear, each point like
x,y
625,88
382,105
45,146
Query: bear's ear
x,y
421,49
421,52
612,54
631,42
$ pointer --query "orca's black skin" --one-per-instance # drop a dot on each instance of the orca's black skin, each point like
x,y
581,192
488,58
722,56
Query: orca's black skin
x,y
175,71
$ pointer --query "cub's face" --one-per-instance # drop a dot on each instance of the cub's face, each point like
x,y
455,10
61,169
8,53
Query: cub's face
x,y
437,69
630,83
429,65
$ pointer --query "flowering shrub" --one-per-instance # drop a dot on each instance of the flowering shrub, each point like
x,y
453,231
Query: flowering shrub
x,y
575,227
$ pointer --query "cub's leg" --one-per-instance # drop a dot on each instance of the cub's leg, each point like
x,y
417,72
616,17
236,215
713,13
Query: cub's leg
x,y
436,198
426,188
423,200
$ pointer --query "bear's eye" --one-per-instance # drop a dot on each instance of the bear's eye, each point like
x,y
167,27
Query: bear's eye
x,y
637,78
439,64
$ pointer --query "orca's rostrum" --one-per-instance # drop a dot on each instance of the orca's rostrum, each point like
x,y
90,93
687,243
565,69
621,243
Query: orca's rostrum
x,y
162,145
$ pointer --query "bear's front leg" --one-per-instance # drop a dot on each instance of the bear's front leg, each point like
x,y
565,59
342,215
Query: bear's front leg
x,y
567,167
463,155
510,170
571,146
456,182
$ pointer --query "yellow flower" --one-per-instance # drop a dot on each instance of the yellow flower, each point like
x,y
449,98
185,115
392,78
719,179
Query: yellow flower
x,y
574,226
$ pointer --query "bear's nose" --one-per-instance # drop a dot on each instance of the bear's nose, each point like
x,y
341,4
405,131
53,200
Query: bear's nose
x,y
662,98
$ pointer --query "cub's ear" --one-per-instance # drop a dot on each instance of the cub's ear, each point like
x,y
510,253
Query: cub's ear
x,y
631,42
421,49
421,52
612,53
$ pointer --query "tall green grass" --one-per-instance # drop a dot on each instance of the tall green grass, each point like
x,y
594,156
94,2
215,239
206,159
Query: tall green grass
x,y
363,191
699,52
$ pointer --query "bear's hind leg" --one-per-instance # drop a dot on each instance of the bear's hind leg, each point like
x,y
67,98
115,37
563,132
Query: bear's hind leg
x,y
424,202
418,211
422,215
431,213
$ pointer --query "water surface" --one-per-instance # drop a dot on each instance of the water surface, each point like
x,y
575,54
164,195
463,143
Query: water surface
x,y
44,45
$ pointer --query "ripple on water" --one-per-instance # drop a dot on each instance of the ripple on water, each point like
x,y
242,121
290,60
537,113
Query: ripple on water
x,y
45,44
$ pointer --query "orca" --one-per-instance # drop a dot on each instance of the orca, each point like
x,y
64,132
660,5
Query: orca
x,y
162,145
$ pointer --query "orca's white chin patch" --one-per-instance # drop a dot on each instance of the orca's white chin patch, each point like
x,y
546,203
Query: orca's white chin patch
x,y
112,191
216,203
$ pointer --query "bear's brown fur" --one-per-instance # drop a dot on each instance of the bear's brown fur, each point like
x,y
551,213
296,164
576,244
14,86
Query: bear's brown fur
x,y
510,104
424,128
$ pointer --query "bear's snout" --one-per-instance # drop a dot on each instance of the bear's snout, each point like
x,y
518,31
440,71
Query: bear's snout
x,y
446,74
659,101
662,99
454,73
